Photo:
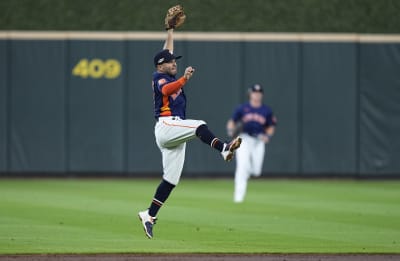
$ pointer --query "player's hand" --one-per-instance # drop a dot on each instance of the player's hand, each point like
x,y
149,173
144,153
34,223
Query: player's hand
x,y
230,132
264,138
188,72
231,129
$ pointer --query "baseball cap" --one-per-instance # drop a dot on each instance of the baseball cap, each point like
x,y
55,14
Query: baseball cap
x,y
164,56
256,88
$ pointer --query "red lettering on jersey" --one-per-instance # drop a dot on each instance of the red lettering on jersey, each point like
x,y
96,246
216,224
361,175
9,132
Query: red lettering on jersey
x,y
254,117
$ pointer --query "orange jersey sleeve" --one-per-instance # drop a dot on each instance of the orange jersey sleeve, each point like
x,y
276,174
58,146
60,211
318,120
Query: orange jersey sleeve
x,y
173,87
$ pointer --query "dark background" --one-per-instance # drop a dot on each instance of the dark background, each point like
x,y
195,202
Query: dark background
x,y
363,16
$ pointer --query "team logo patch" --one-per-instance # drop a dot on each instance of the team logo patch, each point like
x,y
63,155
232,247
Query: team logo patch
x,y
161,81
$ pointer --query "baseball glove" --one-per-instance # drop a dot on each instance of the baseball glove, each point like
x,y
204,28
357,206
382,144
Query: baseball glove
x,y
175,17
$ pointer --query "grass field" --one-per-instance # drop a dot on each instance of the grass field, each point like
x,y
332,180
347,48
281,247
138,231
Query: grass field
x,y
279,216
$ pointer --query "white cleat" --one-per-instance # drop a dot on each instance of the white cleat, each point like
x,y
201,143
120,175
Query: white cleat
x,y
229,148
147,222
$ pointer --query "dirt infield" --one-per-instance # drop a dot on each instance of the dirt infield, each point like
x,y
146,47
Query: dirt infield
x,y
204,257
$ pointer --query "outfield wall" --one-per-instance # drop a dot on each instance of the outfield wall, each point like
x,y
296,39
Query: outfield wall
x,y
82,102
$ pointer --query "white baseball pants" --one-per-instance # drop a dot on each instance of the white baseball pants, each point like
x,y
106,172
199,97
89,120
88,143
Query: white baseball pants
x,y
171,134
249,161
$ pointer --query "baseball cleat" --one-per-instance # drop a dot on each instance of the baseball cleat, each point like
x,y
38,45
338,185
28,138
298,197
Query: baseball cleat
x,y
229,148
147,222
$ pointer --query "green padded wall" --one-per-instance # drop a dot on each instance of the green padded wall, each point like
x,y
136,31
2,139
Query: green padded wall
x,y
329,108
380,109
37,107
86,105
3,105
96,109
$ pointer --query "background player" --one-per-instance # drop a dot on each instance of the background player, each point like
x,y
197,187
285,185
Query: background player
x,y
172,129
256,123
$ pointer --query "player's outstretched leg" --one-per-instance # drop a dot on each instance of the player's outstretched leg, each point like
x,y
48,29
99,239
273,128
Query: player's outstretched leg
x,y
148,217
227,149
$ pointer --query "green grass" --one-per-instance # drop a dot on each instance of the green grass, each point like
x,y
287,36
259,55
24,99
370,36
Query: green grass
x,y
278,216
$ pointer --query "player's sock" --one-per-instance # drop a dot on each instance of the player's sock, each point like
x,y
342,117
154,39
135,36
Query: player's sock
x,y
162,193
207,137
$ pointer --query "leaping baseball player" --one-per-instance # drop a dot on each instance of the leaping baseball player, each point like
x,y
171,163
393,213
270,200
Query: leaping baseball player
x,y
172,129
256,124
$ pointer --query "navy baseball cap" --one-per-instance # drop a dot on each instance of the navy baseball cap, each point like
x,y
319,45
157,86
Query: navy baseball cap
x,y
164,57
256,88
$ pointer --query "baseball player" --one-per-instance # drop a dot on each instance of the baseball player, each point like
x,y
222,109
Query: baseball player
x,y
256,123
172,129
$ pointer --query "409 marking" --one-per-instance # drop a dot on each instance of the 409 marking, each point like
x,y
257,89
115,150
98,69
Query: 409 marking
x,y
97,68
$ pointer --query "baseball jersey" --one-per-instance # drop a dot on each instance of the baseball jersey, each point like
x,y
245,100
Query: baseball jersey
x,y
254,120
171,105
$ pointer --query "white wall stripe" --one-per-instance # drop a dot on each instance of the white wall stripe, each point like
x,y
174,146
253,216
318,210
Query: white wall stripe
x,y
201,36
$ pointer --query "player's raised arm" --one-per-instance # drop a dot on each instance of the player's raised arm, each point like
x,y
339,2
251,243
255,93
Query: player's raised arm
x,y
174,18
169,42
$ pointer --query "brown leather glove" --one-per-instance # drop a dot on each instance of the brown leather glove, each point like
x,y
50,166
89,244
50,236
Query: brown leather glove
x,y
175,17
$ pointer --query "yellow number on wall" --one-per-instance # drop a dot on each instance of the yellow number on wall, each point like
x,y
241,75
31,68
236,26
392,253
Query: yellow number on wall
x,y
96,68
113,69
81,69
